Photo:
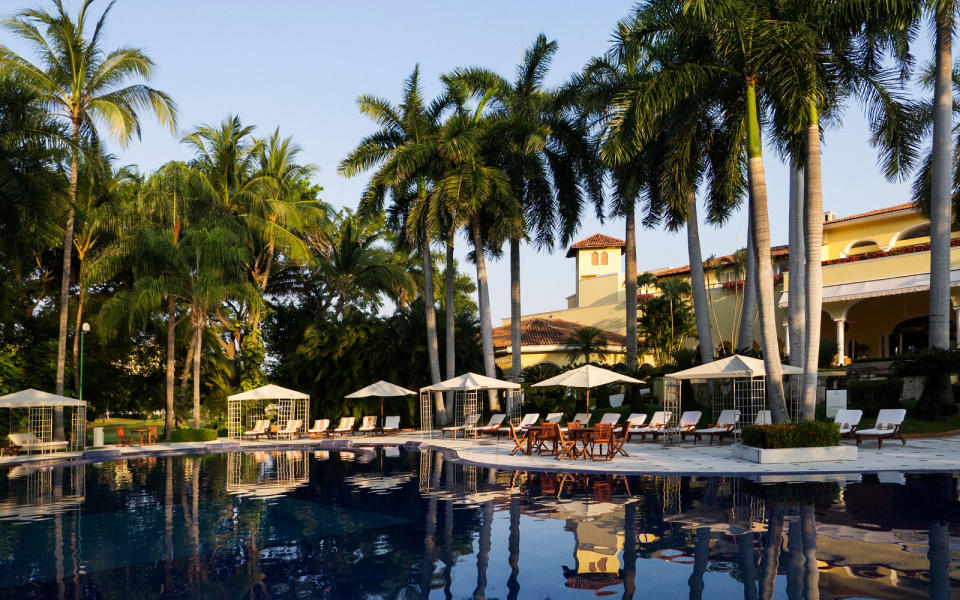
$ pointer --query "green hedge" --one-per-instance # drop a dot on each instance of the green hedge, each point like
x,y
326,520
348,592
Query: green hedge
x,y
807,434
872,395
193,435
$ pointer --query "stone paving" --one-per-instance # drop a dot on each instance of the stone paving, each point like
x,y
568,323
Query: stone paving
x,y
932,454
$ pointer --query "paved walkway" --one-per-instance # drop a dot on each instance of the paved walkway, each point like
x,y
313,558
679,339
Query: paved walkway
x,y
932,454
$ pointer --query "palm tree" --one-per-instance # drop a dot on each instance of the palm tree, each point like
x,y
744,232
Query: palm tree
x,y
796,304
86,85
411,124
585,343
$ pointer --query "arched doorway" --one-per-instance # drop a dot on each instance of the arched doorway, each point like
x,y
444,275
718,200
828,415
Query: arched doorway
x,y
913,335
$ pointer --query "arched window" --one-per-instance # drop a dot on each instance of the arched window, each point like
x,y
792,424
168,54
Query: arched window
x,y
915,233
862,246
603,258
594,259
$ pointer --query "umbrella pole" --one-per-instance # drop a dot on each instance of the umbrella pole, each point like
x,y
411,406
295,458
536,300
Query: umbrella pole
x,y
588,403
381,411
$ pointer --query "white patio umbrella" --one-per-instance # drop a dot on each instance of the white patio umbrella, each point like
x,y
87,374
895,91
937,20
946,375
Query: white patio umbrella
x,y
381,389
587,376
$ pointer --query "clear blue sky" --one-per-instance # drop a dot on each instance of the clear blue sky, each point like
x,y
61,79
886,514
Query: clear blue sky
x,y
300,65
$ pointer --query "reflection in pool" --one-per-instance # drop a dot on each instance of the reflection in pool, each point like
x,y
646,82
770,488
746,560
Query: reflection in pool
x,y
392,524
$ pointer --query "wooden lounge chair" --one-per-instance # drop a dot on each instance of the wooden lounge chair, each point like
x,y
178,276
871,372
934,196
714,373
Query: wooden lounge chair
x,y
657,422
519,437
391,425
610,418
723,427
345,426
889,421
634,420
848,420
368,425
582,418
469,424
494,425
553,418
528,420
291,429
28,442
259,429
687,425
566,447
319,428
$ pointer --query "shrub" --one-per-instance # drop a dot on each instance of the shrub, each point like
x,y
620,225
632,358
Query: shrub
x,y
806,434
874,394
193,435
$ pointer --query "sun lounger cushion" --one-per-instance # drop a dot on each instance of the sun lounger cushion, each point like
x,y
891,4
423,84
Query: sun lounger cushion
x,y
553,418
391,423
319,426
888,419
495,422
610,418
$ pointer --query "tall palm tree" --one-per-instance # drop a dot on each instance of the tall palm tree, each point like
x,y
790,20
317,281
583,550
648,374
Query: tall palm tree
x,y
796,303
87,85
410,124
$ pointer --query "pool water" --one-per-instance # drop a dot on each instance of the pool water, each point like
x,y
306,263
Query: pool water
x,y
392,524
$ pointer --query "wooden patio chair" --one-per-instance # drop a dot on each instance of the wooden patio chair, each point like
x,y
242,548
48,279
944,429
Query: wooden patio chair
x,y
519,438
602,436
566,447
547,439
122,438
151,434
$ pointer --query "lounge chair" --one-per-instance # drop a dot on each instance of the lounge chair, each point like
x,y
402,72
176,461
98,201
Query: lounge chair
x,y
28,442
687,425
610,418
723,427
582,418
320,427
847,420
368,425
470,423
528,420
391,426
259,429
763,418
634,420
345,426
889,421
657,422
553,418
291,429
494,425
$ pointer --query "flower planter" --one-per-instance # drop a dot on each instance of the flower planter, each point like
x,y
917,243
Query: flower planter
x,y
794,455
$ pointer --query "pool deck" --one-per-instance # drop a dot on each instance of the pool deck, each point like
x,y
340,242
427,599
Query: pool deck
x,y
919,455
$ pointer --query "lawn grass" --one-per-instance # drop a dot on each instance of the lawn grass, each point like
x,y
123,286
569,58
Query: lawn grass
x,y
110,425
915,425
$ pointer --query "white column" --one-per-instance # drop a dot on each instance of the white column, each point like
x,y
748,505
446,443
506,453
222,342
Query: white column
x,y
956,317
840,342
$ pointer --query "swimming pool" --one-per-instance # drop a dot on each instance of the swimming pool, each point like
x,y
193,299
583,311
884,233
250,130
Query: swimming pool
x,y
394,524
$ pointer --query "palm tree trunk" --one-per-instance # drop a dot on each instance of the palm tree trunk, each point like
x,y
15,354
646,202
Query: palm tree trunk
x,y
938,554
198,329
813,217
76,339
483,301
513,549
796,294
701,560
483,551
430,310
698,284
941,176
808,532
630,288
748,565
748,311
450,318
795,562
630,549
171,364
761,242
515,312
65,284
771,553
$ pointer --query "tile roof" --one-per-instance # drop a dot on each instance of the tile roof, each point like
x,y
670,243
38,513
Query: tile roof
x,y
597,240
775,251
871,213
547,332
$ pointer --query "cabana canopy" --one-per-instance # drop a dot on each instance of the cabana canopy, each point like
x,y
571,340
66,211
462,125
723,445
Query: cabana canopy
x,y
731,367
381,388
31,397
471,381
269,392
587,376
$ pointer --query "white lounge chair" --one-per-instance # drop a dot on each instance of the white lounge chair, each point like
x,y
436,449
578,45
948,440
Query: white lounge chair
x,y
553,418
634,421
528,420
391,425
368,425
723,427
657,422
582,418
319,428
889,421
610,418
469,424
345,426
28,442
687,425
291,429
260,428
763,418
493,426
847,420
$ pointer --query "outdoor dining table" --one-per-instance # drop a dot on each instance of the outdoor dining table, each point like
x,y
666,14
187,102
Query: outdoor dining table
x,y
581,435
141,433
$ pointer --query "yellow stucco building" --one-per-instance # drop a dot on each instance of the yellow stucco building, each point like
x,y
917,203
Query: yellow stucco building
x,y
875,282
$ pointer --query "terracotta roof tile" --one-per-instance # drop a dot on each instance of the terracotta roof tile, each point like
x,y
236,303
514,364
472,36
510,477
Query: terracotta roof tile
x,y
597,240
871,213
775,251
547,332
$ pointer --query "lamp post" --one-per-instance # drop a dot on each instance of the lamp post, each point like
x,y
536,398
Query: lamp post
x,y
84,329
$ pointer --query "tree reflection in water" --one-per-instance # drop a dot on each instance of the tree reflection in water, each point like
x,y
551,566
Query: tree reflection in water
x,y
285,524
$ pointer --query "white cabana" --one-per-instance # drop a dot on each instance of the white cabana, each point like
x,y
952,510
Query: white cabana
x,y
246,408
739,383
382,389
587,376
466,399
31,414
